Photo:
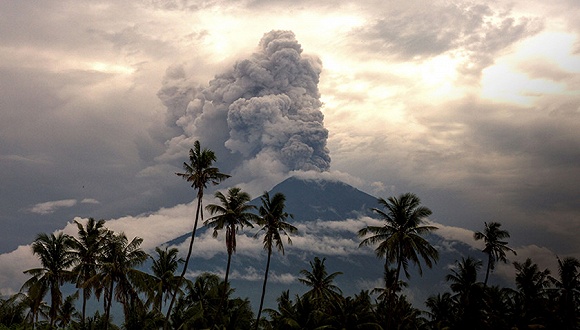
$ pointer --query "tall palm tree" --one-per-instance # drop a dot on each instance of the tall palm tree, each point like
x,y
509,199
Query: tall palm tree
x,y
164,267
495,247
56,258
86,250
118,273
273,222
233,213
200,172
401,239
323,289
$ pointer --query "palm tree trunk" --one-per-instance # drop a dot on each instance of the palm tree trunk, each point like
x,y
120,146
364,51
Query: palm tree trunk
x,y
53,308
487,271
108,305
395,285
227,274
84,306
197,213
263,289
225,289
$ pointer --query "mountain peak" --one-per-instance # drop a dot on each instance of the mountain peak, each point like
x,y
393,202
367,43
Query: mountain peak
x,y
322,199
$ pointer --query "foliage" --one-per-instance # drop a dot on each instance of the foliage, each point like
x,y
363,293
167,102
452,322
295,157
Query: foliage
x,y
495,247
400,239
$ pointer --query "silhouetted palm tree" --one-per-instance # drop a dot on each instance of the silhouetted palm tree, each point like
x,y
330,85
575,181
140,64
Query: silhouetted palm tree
x,y
56,258
568,289
353,313
232,214
303,313
469,294
12,310
532,285
495,248
68,311
323,289
441,310
200,172
197,309
86,250
164,278
273,222
33,299
118,273
392,285
401,239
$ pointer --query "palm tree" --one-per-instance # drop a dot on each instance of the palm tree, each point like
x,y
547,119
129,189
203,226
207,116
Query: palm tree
x,y
322,288
164,267
86,250
469,294
532,285
233,213
56,258
273,222
117,272
12,310
200,172
441,310
198,307
33,299
68,310
392,286
464,277
568,289
400,238
301,314
495,248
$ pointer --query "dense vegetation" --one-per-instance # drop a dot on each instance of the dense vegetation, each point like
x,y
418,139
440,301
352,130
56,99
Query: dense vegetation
x,y
107,267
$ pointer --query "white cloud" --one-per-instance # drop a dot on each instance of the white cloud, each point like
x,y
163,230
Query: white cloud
x,y
456,234
13,265
50,207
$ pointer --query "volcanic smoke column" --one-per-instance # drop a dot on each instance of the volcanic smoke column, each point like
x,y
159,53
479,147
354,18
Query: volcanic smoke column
x,y
265,110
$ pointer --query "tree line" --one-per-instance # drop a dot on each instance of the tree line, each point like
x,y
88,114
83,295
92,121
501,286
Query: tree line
x,y
109,266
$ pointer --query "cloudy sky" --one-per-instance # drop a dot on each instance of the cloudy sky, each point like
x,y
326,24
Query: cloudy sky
x,y
475,108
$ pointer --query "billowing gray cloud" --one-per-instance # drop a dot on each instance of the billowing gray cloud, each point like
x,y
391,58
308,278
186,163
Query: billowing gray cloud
x,y
265,107
475,32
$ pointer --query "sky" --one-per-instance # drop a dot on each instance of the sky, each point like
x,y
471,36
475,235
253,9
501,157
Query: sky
x,y
473,107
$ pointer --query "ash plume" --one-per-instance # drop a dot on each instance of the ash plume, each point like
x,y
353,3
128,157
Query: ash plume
x,y
264,110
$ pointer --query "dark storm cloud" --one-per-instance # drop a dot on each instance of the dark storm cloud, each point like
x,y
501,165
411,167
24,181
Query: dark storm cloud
x,y
266,107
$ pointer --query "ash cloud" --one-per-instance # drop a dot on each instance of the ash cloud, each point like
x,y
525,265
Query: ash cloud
x,y
264,110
